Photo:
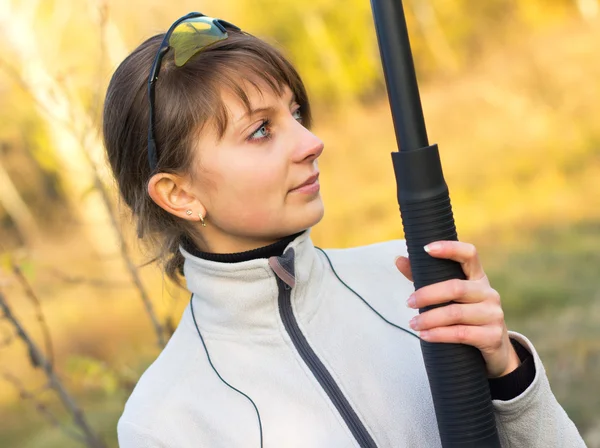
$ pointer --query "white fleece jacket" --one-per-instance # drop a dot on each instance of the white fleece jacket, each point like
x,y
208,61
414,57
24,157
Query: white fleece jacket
x,y
180,401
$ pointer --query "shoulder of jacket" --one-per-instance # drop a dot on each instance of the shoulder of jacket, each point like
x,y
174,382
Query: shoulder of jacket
x,y
372,265
375,252
163,385
371,272
132,435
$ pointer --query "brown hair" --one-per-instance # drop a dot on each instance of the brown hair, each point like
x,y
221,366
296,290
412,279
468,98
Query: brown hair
x,y
187,98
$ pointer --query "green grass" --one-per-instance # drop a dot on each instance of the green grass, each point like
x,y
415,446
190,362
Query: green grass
x,y
546,270
23,427
550,287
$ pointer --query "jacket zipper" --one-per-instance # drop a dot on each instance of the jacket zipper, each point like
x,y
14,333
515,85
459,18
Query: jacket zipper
x,y
317,368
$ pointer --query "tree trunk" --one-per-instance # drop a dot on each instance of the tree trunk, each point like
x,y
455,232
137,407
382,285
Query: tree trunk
x,y
67,124
17,209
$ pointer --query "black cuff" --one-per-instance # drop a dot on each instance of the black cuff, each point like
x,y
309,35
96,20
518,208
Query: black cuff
x,y
514,384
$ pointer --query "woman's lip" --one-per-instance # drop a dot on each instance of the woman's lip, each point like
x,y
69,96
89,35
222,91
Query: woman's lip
x,y
310,186
308,181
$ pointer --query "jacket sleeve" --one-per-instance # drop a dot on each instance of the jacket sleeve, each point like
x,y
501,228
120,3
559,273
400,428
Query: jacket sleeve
x,y
131,435
535,418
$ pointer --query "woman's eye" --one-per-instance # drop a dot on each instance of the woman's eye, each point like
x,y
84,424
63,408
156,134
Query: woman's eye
x,y
297,114
261,132
264,132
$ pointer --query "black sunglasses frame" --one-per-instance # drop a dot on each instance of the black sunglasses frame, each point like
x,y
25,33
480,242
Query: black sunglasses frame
x,y
162,50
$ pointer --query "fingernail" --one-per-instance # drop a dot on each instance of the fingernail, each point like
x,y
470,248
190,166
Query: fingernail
x,y
414,323
432,246
411,301
424,334
396,259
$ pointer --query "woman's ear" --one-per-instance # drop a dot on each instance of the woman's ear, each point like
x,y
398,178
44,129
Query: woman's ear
x,y
173,194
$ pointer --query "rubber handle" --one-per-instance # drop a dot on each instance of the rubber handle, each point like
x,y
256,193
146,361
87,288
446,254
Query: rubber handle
x,y
456,372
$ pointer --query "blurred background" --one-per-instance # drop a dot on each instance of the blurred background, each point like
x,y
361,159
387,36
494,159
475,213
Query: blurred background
x,y
510,91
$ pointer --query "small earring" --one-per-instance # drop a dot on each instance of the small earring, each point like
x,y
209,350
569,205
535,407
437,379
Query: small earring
x,y
201,219
188,212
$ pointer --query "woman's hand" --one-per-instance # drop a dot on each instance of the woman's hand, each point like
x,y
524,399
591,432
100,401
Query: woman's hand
x,y
476,318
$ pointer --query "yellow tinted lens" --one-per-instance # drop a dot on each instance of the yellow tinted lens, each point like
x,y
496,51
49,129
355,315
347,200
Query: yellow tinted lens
x,y
191,36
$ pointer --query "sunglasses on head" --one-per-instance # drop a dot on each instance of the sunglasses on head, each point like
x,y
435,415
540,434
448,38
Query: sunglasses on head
x,y
187,36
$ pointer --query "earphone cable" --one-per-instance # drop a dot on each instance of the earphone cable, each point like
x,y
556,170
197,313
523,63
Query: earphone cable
x,y
221,378
245,395
363,300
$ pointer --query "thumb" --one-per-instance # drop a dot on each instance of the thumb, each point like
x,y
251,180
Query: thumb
x,y
403,265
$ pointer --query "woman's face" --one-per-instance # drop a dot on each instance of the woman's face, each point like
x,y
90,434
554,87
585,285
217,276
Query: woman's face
x,y
246,182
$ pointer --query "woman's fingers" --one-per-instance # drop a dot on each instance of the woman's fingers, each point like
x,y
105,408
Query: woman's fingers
x,y
464,253
474,315
466,291
481,313
403,265
492,340
486,338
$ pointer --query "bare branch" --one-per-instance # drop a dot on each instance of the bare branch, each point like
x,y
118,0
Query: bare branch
x,y
7,338
101,10
39,360
26,88
13,203
131,267
65,117
77,143
80,279
40,407
38,312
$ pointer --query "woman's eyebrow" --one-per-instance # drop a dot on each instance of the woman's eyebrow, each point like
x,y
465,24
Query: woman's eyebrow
x,y
259,110
253,112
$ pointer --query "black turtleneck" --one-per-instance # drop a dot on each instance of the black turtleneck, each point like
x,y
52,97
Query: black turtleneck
x,y
275,249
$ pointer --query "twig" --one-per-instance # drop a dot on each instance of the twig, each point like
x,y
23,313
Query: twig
x,y
41,407
86,130
102,19
7,338
81,127
131,267
80,279
38,311
18,210
38,360
25,87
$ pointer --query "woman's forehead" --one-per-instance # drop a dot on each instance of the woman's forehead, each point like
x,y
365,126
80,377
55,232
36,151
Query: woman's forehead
x,y
237,107
233,94
258,93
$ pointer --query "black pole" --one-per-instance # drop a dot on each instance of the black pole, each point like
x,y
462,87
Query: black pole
x,y
456,372
400,76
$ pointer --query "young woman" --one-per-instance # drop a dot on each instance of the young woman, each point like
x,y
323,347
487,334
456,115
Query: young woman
x,y
207,131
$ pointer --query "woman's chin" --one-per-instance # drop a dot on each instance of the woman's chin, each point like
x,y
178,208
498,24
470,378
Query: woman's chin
x,y
312,213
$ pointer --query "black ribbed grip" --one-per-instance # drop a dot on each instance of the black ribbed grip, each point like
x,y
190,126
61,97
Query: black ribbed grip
x,y
456,372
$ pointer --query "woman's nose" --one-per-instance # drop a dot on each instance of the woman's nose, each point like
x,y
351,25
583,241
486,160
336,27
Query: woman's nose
x,y
309,145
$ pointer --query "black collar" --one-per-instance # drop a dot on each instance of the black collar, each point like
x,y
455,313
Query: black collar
x,y
275,249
